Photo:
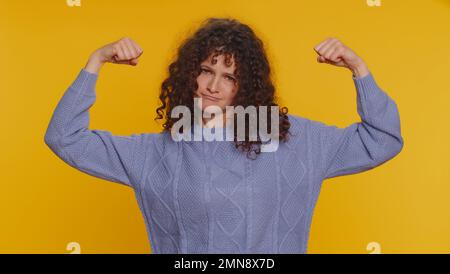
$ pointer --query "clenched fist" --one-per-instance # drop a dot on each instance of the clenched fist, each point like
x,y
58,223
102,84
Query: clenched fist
x,y
334,52
124,51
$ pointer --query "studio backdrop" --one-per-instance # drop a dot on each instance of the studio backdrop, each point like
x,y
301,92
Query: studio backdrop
x,y
47,206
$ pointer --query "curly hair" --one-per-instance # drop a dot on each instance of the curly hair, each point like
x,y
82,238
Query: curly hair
x,y
228,37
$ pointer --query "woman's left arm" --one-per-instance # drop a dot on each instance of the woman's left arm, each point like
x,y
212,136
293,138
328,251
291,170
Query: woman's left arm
x,y
366,144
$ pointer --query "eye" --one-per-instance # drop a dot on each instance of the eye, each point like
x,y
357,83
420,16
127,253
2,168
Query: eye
x,y
205,70
230,78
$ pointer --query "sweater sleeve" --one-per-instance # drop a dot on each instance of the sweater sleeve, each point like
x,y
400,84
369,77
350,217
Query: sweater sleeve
x,y
366,144
96,152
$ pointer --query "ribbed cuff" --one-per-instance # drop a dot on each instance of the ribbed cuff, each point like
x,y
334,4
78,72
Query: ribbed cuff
x,y
85,80
367,84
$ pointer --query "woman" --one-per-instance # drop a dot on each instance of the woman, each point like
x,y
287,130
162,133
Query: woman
x,y
225,196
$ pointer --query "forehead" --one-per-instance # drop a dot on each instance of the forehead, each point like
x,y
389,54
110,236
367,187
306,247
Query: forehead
x,y
219,61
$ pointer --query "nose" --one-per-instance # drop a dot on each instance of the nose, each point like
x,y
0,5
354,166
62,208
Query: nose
x,y
212,85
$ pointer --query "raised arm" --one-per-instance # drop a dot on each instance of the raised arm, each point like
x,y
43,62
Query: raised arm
x,y
366,144
96,152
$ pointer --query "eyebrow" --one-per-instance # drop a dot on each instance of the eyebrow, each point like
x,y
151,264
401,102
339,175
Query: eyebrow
x,y
226,73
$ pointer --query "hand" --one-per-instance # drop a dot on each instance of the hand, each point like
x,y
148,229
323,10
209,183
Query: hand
x,y
334,52
124,51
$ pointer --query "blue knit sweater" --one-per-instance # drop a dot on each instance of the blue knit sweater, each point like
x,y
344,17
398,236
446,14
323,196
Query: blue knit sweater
x,y
207,197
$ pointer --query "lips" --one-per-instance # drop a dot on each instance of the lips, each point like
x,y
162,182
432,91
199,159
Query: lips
x,y
210,97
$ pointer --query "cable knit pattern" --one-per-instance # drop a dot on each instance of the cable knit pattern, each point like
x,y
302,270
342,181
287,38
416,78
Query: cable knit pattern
x,y
207,197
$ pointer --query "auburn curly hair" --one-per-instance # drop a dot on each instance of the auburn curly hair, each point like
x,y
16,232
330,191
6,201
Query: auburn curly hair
x,y
228,37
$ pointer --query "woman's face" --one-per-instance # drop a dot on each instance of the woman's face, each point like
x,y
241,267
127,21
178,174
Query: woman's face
x,y
217,83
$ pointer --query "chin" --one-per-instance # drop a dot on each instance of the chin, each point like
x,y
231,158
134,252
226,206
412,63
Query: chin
x,y
208,104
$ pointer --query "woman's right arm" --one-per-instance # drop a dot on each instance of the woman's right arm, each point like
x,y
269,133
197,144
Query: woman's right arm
x,y
96,152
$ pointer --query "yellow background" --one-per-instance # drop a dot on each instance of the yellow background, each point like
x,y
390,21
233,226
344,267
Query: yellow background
x,y
403,205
